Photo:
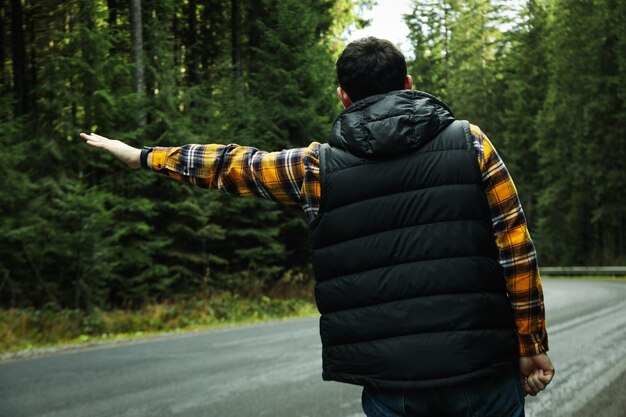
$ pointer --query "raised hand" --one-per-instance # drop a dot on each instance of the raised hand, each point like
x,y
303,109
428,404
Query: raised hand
x,y
537,372
120,150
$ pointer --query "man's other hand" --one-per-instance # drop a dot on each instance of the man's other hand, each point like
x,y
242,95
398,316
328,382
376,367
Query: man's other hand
x,y
120,150
536,373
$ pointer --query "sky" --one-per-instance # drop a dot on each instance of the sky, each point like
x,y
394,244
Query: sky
x,y
387,23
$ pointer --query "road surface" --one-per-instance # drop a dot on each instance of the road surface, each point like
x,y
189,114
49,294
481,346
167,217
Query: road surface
x,y
275,369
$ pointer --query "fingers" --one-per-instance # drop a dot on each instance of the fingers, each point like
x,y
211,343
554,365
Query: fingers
x,y
88,137
94,143
530,388
545,378
94,137
536,382
537,372
95,140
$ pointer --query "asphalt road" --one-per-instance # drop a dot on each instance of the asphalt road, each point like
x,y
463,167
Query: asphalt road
x,y
275,369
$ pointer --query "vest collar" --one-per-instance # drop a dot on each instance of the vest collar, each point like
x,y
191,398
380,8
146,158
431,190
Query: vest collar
x,y
390,124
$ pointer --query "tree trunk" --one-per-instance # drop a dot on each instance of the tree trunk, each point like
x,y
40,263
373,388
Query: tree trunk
x,y
137,39
192,44
256,13
236,42
86,19
113,7
18,49
208,49
3,24
32,63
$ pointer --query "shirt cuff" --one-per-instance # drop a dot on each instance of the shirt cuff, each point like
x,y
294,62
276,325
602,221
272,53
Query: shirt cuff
x,y
533,344
159,158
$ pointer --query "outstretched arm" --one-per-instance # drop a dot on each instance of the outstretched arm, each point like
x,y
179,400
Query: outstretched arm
x,y
290,176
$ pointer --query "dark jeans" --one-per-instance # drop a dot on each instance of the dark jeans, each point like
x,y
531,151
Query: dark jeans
x,y
495,396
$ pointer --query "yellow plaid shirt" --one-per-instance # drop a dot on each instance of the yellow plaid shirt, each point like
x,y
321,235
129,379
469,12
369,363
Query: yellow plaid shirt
x,y
291,176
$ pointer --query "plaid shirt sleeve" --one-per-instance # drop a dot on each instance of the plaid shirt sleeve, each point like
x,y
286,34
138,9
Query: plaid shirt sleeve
x,y
289,176
516,249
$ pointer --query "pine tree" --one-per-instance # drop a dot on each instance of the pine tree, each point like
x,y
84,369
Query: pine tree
x,y
577,137
524,85
429,32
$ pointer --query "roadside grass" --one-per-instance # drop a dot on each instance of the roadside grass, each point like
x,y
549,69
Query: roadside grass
x,y
586,277
28,328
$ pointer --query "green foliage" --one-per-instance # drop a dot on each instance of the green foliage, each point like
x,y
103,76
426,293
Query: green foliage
x,y
523,92
81,231
551,98
429,33
579,134
28,328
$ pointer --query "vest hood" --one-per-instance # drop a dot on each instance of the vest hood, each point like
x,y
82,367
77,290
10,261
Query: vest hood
x,y
390,124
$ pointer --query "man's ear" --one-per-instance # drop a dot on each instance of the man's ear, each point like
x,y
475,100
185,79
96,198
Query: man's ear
x,y
408,83
344,97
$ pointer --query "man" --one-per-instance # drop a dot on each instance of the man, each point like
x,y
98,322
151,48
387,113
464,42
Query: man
x,y
427,278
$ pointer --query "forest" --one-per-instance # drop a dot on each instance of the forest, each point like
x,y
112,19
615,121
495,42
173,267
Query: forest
x,y
544,79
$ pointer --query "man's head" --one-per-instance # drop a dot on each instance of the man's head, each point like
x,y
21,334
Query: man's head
x,y
370,66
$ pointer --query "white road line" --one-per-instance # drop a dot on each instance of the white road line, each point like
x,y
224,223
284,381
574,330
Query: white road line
x,y
587,317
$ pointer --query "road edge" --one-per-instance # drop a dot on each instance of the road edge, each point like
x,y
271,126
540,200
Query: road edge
x,y
42,352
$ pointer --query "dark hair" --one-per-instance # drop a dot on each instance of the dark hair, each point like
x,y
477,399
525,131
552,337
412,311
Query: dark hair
x,y
370,66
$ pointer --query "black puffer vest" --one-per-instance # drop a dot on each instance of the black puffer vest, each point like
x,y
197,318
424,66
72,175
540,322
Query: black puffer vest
x,y
408,282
